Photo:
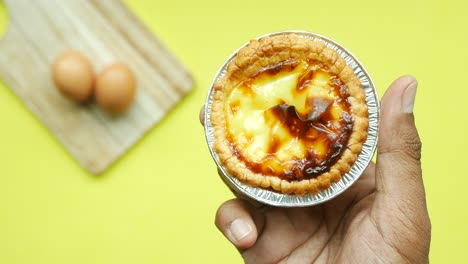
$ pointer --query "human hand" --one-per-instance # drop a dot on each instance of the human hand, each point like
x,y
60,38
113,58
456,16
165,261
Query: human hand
x,y
382,218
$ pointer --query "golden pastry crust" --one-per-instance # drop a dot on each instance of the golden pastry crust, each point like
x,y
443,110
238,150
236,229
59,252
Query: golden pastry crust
x,y
259,54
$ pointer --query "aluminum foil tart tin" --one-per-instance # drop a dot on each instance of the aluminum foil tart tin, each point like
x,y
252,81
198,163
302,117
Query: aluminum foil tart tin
x,y
273,198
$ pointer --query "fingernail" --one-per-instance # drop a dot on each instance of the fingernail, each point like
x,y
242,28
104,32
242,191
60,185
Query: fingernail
x,y
409,96
239,229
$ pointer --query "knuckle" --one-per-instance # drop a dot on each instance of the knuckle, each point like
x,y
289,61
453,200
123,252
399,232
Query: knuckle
x,y
412,145
402,140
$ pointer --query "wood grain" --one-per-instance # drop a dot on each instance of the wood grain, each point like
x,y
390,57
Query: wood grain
x,y
106,31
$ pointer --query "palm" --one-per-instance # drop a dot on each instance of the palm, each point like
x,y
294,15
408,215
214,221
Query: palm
x,y
346,229
317,233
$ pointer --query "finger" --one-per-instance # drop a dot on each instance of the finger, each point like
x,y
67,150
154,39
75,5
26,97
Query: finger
x,y
399,146
201,115
240,223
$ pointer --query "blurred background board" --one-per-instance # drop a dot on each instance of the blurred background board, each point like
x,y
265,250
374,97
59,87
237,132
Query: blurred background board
x,y
157,205
106,32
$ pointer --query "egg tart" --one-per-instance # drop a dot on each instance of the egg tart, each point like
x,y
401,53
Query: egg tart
x,y
288,115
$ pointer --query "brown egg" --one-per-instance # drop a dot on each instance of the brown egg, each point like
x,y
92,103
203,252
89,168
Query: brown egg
x,y
73,75
115,88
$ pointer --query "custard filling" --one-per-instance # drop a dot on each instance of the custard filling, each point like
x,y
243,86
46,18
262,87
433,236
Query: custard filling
x,y
291,120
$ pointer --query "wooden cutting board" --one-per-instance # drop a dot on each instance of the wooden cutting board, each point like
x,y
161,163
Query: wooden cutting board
x,y
106,31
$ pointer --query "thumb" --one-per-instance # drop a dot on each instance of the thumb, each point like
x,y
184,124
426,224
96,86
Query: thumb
x,y
400,208
399,148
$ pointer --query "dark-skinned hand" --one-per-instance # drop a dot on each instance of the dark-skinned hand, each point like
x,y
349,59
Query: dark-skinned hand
x,y
382,218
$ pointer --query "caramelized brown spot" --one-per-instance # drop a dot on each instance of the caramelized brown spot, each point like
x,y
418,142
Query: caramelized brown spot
x,y
246,89
317,106
234,107
273,145
305,80
272,70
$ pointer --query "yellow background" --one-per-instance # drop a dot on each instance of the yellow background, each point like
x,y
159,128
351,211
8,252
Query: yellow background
x,y
157,204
